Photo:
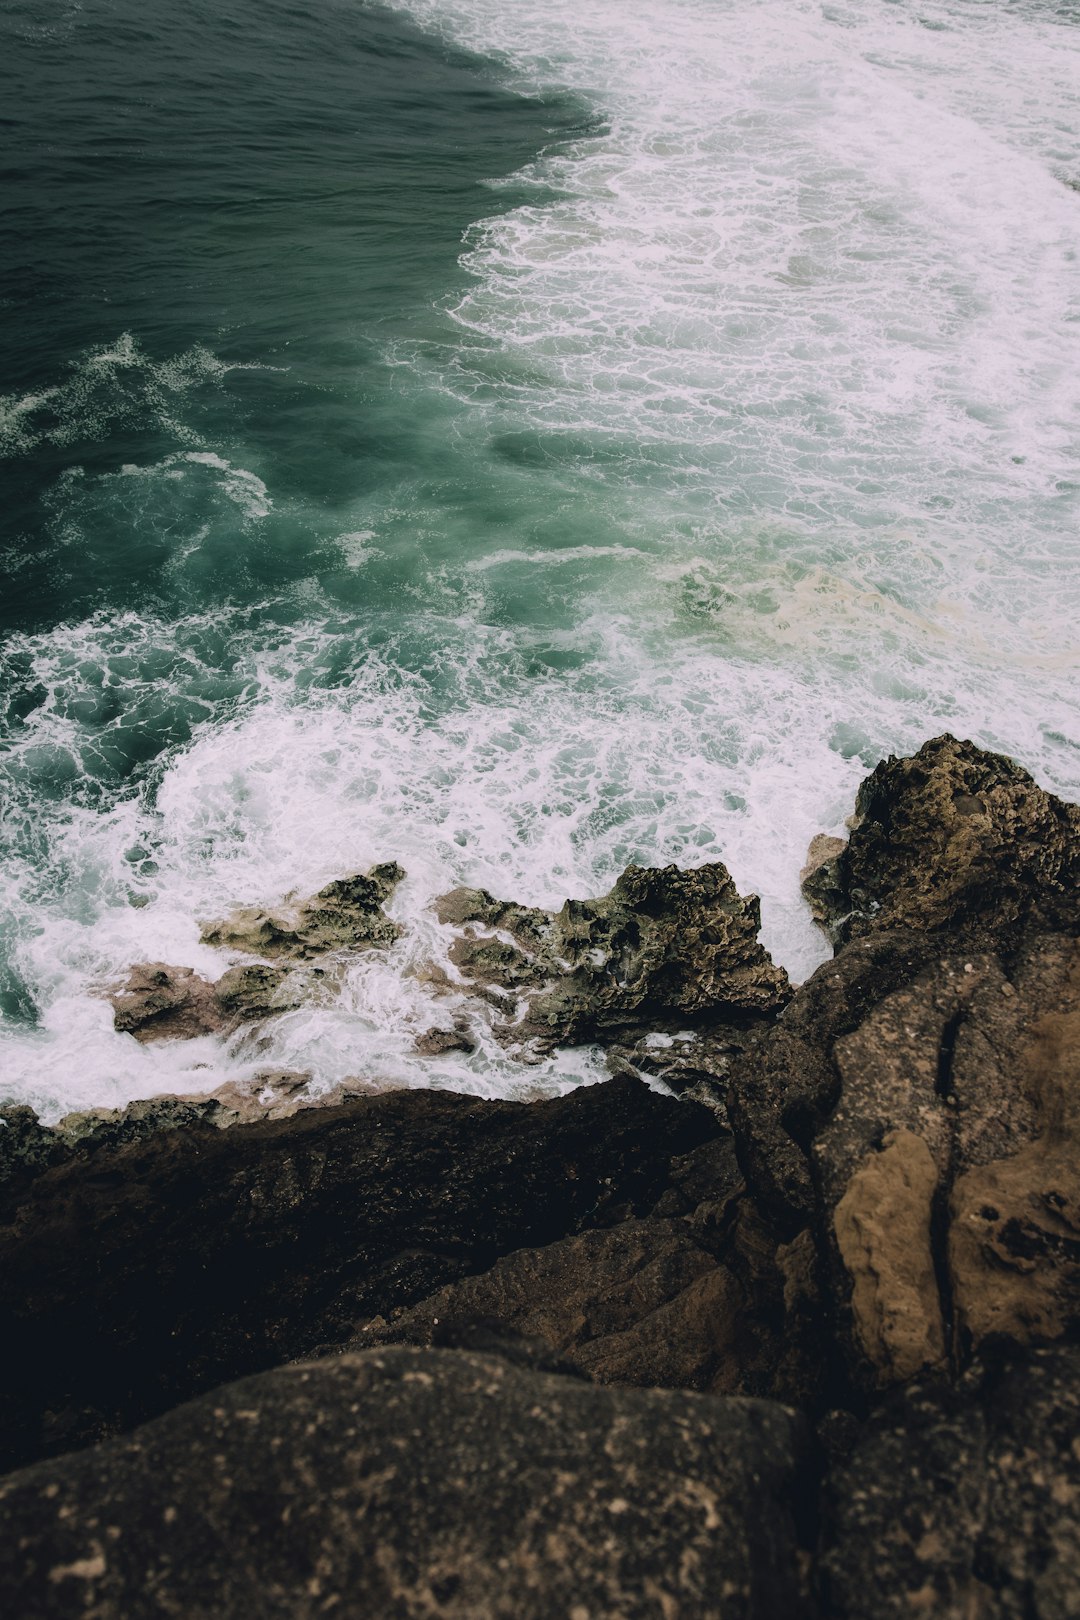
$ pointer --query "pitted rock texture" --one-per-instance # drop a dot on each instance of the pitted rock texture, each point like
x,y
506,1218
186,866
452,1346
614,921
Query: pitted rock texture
x,y
962,1502
163,1003
414,1483
954,839
665,947
346,915
147,1264
914,1111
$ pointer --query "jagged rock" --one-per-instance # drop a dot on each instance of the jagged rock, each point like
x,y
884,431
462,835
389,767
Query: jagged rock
x,y
818,880
434,1042
666,946
346,915
695,1063
162,1003
134,1275
963,1502
417,1483
953,838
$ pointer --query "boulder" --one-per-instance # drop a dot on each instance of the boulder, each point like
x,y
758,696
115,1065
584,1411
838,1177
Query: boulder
x,y
163,1003
952,839
346,915
962,1501
665,948
147,1264
416,1483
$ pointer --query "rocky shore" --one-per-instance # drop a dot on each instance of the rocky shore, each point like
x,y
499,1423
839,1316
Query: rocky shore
x,y
783,1321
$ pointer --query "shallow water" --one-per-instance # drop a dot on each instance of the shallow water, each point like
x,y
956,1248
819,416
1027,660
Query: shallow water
x,y
513,441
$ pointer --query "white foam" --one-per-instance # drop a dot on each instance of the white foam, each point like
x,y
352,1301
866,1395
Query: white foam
x,y
797,338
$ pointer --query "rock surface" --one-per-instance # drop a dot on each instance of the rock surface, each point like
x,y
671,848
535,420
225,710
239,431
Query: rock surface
x,y
163,1003
148,1264
955,839
890,1240
346,915
414,1483
666,947
963,1502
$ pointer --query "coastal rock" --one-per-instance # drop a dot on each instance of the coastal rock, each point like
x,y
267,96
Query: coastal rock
x,y
953,839
134,1274
916,1114
417,1483
346,915
962,1501
666,947
162,1003
694,1295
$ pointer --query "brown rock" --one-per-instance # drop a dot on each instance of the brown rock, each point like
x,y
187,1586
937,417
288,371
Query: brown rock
x,y
162,1003
882,1226
415,1483
962,1502
346,915
953,839
665,948
148,1264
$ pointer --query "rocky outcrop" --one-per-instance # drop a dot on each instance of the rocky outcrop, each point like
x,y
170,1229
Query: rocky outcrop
x,y
693,1295
665,948
140,1269
962,1501
162,1003
346,915
414,1483
512,1302
913,1109
953,839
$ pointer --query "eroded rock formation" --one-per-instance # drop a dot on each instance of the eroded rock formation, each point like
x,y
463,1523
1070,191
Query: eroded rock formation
x,y
875,1219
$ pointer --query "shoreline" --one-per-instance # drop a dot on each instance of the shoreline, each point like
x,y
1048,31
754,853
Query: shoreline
x,y
845,1217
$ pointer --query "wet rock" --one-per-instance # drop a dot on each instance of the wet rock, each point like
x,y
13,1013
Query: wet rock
x,y
162,1003
954,839
963,1501
666,947
415,1483
434,1042
138,1272
819,880
694,1063
346,915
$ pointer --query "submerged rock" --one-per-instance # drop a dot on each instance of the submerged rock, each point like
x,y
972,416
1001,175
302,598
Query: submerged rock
x,y
414,1483
346,915
665,947
953,838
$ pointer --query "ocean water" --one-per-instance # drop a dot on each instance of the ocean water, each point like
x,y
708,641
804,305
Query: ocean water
x,y
511,440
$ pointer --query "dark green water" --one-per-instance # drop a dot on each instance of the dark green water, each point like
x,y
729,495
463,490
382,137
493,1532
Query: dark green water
x,y
193,191
601,447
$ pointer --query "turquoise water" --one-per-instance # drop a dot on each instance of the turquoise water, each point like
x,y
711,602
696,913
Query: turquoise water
x,y
513,442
